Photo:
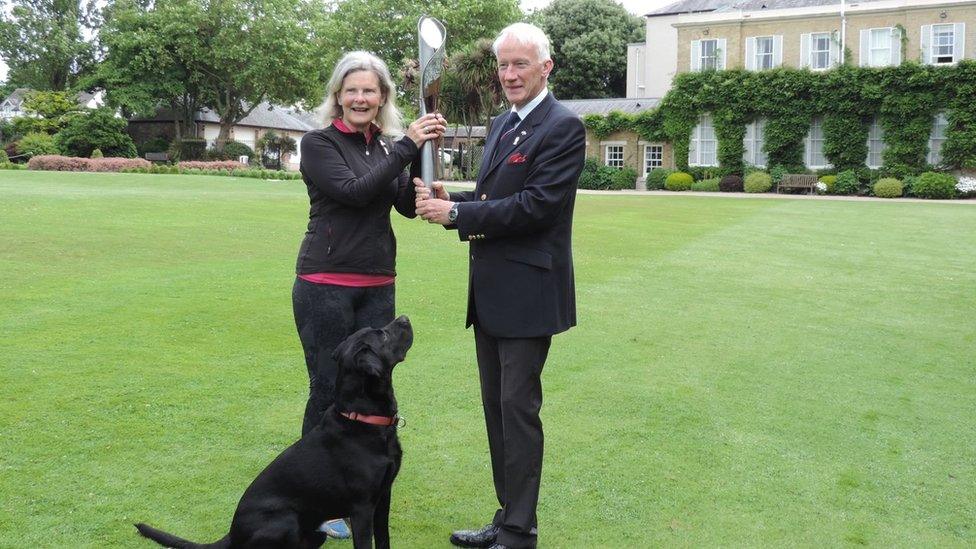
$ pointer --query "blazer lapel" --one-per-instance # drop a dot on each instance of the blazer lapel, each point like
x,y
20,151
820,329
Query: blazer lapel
x,y
511,141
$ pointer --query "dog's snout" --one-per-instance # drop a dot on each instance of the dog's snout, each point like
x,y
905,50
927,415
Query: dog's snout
x,y
403,320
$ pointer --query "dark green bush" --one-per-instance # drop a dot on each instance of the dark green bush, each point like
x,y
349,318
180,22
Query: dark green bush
x,y
191,149
655,178
699,173
758,182
678,181
934,185
847,183
888,187
3,157
234,149
97,129
730,184
595,176
706,185
37,144
621,180
155,145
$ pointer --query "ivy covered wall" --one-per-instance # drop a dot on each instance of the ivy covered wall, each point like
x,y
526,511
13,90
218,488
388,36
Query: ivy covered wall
x,y
905,99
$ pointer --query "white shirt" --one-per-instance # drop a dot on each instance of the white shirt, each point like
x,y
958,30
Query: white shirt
x,y
530,106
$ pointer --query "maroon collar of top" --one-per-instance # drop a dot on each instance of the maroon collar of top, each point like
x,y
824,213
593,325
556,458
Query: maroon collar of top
x,y
369,134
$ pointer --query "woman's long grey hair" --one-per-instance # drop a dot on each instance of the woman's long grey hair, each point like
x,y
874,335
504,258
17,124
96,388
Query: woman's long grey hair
x,y
389,117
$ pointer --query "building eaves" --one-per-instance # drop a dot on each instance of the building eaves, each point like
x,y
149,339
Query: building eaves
x,y
629,105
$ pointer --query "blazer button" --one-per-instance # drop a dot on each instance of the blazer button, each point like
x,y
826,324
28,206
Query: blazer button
x,y
484,197
472,257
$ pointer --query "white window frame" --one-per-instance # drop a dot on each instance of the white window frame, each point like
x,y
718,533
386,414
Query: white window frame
x,y
869,49
646,160
814,136
930,49
702,134
607,145
753,142
876,146
704,59
815,37
937,138
698,57
762,57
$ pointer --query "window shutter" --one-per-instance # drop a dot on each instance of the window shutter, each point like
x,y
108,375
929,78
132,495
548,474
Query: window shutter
x,y
805,50
720,59
865,60
895,46
695,55
750,53
693,145
778,50
959,35
926,39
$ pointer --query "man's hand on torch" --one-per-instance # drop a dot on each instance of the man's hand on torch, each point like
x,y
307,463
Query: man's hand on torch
x,y
433,210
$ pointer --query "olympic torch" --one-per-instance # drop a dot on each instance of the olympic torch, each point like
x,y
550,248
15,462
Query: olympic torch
x,y
431,38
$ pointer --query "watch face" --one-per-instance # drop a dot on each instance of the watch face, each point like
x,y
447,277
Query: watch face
x,y
452,215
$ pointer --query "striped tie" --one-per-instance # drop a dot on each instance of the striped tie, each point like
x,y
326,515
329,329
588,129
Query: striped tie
x,y
510,124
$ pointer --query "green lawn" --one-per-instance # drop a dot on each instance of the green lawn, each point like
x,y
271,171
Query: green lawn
x,y
746,372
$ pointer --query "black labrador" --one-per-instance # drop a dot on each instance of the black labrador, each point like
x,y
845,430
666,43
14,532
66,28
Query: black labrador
x,y
344,467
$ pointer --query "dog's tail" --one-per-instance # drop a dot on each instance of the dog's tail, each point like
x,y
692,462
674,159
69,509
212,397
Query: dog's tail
x,y
169,540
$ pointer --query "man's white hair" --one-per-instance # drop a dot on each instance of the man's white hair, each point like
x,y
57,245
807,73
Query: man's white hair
x,y
389,117
525,34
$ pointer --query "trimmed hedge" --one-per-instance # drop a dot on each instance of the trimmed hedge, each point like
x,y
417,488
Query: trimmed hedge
x,y
934,185
59,163
678,181
888,187
758,182
706,185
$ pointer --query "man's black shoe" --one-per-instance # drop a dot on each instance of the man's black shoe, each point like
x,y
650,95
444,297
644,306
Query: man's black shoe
x,y
475,538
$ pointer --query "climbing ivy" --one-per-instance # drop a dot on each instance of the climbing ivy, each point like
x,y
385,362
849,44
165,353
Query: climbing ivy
x,y
903,99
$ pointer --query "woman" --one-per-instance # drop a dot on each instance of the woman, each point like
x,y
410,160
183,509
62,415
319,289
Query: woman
x,y
354,171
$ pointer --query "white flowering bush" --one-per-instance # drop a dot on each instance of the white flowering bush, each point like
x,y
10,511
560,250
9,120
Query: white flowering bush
x,y
821,187
966,185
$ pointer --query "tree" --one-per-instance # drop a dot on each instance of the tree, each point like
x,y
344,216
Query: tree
x,y
227,55
272,147
96,129
589,47
43,42
47,112
395,40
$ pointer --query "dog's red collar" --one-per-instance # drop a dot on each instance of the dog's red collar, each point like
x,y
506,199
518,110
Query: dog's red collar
x,y
385,421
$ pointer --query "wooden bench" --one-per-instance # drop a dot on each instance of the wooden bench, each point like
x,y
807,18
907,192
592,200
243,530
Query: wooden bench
x,y
798,181
157,157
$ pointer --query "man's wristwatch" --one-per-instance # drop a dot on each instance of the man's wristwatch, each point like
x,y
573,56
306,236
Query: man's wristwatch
x,y
452,215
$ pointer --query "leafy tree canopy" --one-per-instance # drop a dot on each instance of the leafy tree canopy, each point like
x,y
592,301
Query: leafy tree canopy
x,y
43,42
589,46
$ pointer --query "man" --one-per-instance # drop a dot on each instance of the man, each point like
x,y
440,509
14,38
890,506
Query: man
x,y
518,220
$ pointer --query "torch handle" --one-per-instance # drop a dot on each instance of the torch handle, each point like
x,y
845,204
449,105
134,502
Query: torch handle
x,y
426,157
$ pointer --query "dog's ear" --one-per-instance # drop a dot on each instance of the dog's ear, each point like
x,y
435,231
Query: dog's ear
x,y
369,361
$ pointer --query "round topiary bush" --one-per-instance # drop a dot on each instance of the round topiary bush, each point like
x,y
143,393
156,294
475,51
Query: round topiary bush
x,y
934,185
888,187
730,184
758,182
678,181
97,153
706,185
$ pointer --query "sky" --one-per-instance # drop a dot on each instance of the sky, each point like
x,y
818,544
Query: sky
x,y
636,7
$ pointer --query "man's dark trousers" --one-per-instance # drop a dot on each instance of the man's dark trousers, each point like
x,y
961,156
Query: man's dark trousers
x,y
511,393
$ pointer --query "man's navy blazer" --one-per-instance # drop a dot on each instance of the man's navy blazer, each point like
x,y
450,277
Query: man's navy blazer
x,y
519,222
